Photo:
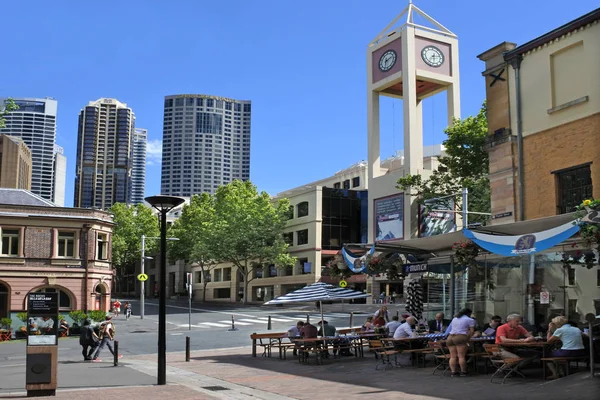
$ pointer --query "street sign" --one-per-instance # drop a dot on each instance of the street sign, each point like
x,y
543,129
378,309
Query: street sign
x,y
142,277
343,284
544,297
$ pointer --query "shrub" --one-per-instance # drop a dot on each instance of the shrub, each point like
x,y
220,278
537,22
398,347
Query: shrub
x,y
22,316
5,323
78,317
97,315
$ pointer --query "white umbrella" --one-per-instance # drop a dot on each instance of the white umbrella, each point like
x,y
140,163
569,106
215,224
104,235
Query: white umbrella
x,y
320,292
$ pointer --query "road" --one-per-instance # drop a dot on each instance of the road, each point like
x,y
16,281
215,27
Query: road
x,y
210,329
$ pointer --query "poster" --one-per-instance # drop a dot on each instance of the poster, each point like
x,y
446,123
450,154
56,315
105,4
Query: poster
x,y
389,217
544,297
42,319
433,220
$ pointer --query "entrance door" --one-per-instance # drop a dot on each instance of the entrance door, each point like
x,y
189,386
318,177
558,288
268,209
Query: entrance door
x,y
4,306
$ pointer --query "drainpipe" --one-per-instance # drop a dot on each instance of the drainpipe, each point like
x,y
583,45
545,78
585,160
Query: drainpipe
x,y
516,64
84,263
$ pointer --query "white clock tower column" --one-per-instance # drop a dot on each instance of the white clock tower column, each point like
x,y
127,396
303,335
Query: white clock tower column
x,y
411,62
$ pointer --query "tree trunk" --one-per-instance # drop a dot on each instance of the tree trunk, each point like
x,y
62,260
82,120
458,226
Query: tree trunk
x,y
204,290
245,289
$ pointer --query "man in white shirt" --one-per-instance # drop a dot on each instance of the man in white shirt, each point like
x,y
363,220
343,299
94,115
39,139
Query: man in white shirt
x,y
391,326
405,330
293,333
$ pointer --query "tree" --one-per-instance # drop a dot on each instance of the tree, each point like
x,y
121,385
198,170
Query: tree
x,y
249,228
9,106
197,236
465,165
131,223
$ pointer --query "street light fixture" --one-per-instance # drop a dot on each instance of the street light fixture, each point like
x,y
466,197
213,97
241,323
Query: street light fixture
x,y
143,271
163,204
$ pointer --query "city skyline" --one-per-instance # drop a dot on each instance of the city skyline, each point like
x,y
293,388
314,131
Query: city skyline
x,y
306,81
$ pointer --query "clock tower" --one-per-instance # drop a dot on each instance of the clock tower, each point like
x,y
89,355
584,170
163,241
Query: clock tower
x,y
412,62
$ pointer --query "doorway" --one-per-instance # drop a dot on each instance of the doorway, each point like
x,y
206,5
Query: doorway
x,y
4,301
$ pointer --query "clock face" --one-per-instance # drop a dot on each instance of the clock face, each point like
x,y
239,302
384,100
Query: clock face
x,y
432,56
387,60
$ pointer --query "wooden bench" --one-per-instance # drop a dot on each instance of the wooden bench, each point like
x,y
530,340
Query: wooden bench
x,y
268,341
562,360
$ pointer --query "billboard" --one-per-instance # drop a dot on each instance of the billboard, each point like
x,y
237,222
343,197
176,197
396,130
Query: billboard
x,y
433,220
389,217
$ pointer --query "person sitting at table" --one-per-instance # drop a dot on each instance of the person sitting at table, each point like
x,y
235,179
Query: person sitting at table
x,y
405,330
308,331
462,329
294,332
391,326
513,332
368,325
489,329
329,329
439,324
63,327
570,336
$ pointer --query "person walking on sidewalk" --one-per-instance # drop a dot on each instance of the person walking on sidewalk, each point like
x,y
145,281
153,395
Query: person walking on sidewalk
x,y
107,335
116,307
127,310
88,340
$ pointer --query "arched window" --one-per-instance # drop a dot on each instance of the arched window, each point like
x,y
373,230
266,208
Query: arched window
x,y
64,298
302,209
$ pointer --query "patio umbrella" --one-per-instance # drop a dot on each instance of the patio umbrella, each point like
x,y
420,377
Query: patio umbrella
x,y
414,301
320,292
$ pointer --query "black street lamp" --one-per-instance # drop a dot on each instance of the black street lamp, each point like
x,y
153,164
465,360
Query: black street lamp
x,y
163,204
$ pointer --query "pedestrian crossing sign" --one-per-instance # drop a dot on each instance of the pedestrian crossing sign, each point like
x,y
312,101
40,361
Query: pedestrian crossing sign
x,y
343,284
142,277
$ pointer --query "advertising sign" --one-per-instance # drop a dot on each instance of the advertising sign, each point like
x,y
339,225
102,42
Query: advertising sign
x,y
544,297
389,217
415,268
42,319
433,220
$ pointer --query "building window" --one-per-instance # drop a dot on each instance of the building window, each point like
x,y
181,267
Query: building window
x,y
10,242
289,238
290,213
222,293
64,299
356,181
337,185
102,246
199,277
574,185
66,244
218,273
347,184
227,274
302,237
571,276
302,209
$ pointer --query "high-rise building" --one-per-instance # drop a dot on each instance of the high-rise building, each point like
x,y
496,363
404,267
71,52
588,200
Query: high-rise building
x,y
138,166
35,123
206,143
60,175
104,143
15,163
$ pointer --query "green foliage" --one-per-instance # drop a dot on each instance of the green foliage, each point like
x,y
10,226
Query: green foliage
x,y
249,228
22,316
131,223
197,234
78,316
5,323
8,107
97,315
466,164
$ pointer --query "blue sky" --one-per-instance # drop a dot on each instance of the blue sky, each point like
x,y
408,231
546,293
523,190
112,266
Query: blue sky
x,y
301,63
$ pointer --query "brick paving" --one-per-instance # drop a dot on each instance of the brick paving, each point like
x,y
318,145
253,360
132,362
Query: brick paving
x,y
172,392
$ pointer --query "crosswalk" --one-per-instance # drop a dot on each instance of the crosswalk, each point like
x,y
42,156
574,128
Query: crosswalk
x,y
263,321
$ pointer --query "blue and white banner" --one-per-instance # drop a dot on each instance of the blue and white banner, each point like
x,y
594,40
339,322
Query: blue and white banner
x,y
356,264
523,244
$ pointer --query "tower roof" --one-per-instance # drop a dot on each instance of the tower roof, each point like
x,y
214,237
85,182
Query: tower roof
x,y
407,18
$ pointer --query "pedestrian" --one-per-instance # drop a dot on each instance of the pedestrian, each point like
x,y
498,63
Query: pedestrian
x,y
88,340
117,308
127,310
107,335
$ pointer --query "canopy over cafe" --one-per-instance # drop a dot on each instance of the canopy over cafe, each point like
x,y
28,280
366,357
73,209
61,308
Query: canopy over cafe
x,y
538,268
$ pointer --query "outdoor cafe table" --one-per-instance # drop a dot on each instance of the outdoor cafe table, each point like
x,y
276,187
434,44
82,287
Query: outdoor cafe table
x,y
540,344
309,343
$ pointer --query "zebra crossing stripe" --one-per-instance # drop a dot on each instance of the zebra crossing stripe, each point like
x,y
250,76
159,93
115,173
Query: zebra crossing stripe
x,y
252,320
193,326
215,324
277,319
236,322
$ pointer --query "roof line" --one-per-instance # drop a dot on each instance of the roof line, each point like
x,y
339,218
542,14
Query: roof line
x,y
554,34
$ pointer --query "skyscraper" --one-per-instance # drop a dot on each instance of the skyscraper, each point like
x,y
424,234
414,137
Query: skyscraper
x,y
206,143
60,175
138,166
104,143
35,123
15,163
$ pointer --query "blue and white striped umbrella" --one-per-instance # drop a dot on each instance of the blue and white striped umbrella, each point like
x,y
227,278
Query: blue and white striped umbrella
x,y
319,291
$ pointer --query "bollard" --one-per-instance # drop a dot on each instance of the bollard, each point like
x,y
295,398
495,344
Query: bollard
x,y
116,353
398,314
307,319
187,349
351,319
233,328
269,324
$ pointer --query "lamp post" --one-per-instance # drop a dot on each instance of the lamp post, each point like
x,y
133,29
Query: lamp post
x,y
163,204
143,271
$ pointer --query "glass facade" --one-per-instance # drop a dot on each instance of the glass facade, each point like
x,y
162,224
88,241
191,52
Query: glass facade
x,y
344,217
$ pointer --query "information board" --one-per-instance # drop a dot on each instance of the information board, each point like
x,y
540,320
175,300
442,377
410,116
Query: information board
x,y
42,319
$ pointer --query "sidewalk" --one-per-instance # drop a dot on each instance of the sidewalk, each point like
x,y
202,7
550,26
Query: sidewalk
x,y
234,374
